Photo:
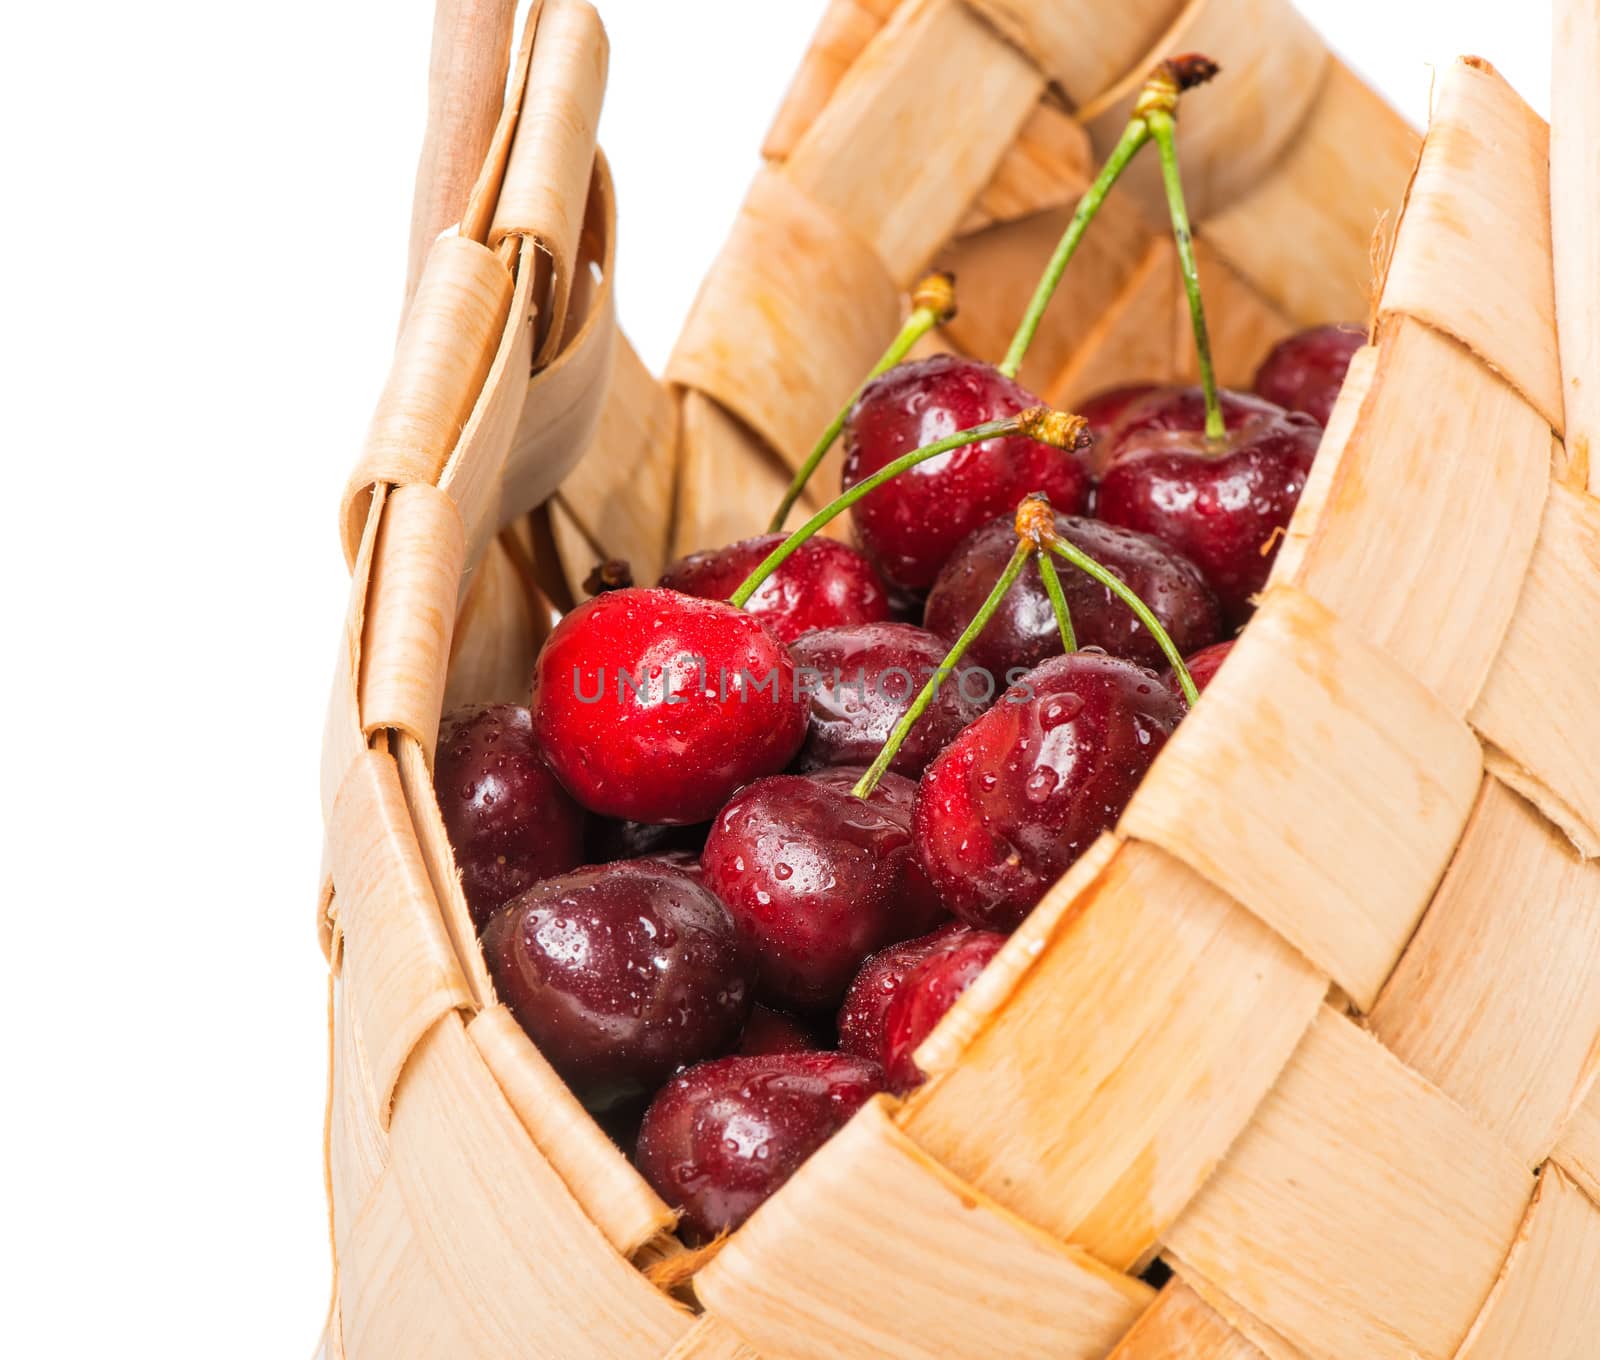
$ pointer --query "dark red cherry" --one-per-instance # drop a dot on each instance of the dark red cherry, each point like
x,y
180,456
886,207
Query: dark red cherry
x,y
929,990
1164,406
1105,409
910,526
768,1031
1223,506
1305,372
816,879
1024,631
824,583
919,908
866,1004
620,974
861,680
1202,666
509,820
720,1139
1018,796
654,706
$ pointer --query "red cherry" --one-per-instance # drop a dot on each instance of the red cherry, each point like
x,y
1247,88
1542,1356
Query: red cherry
x,y
1018,796
911,525
1202,667
655,706
861,681
1104,411
1305,372
929,990
823,584
509,820
720,1139
620,974
1023,631
816,879
1222,506
866,1004
769,1031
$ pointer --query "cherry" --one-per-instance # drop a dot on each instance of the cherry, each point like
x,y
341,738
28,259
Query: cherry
x,y
1203,666
1105,409
720,1139
863,678
655,706
825,583
866,1004
1009,805
816,879
1024,630
769,1031
620,974
1305,372
909,526
509,820
921,1000
1222,503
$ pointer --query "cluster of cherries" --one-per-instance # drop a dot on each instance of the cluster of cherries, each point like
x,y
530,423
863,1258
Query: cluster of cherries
x,y
758,830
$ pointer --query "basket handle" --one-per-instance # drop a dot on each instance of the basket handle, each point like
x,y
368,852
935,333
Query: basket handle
x,y
467,67
1574,209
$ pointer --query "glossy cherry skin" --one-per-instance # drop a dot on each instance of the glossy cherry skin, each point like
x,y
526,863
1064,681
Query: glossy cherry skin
x,y
824,583
861,680
1222,507
1024,631
1305,372
654,706
1202,666
769,1031
866,1004
910,526
1105,409
720,1139
620,974
816,880
1018,796
929,990
509,820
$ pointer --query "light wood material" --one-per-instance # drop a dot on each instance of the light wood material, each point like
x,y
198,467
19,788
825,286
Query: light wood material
x,y
1352,1179
466,85
1429,499
813,308
399,966
1513,932
1536,706
804,1277
904,190
1479,209
1180,1325
1083,46
1578,1153
1329,818
1546,1302
1152,1017
1574,209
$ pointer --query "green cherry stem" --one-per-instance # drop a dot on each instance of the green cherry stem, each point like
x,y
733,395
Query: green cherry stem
x,y
1058,601
1133,138
919,705
1057,428
1158,94
933,302
1163,127
1080,559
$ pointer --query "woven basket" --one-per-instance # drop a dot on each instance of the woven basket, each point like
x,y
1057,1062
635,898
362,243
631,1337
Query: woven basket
x,y
1319,1024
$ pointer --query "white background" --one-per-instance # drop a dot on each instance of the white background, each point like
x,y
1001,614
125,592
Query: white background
x,y
202,258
